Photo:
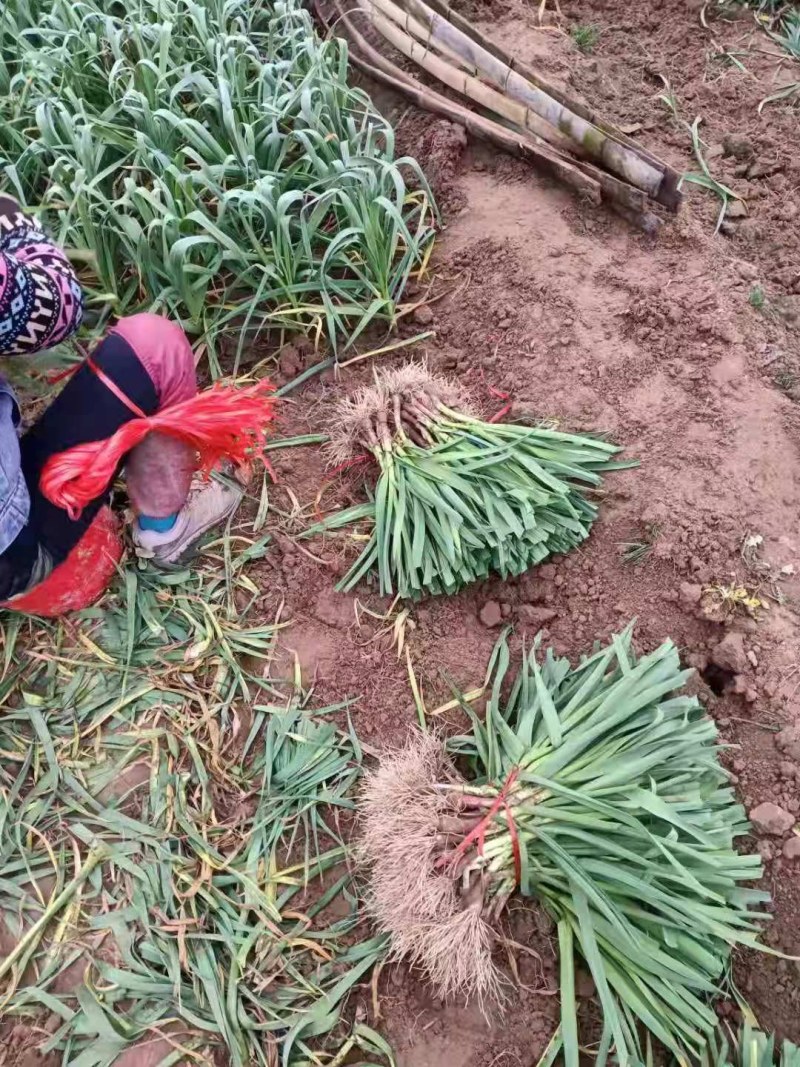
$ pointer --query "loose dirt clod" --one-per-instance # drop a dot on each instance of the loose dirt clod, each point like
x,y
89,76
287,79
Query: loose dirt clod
x,y
729,654
491,614
769,818
788,741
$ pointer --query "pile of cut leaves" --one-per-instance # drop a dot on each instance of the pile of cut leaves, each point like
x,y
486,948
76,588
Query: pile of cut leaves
x,y
168,833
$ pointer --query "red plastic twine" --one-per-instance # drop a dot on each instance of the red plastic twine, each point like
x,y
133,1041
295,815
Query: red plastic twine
x,y
225,421
478,833
111,385
501,414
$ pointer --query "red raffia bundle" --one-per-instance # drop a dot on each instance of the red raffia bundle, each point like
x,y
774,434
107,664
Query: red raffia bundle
x,y
225,421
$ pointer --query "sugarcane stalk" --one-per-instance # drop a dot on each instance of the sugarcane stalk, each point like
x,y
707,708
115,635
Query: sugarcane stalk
x,y
546,158
626,162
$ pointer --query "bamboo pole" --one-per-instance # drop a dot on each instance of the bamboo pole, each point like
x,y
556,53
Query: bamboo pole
x,y
669,194
381,69
632,198
582,176
462,82
597,145
415,28
487,130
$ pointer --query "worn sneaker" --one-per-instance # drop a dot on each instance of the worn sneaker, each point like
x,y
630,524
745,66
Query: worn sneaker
x,y
209,503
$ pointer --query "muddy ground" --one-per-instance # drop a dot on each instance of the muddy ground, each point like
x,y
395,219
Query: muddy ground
x,y
577,317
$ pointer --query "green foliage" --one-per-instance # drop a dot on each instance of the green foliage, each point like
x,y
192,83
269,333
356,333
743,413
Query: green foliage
x,y
784,29
787,380
756,298
209,159
585,37
167,831
781,22
483,498
750,1048
637,552
705,179
625,823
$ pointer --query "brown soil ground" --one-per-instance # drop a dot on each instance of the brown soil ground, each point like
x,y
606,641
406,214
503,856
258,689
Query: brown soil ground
x,y
578,317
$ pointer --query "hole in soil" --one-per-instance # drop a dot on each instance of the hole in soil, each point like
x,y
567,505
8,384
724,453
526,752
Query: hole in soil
x,y
717,678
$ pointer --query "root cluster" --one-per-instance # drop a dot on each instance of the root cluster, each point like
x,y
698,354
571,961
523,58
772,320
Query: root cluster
x,y
435,921
402,402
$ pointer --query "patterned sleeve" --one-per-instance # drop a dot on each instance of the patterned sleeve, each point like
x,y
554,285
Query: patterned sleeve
x,y
41,302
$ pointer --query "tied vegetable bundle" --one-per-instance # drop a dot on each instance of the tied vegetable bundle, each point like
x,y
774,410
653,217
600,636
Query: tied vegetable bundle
x,y
597,791
458,498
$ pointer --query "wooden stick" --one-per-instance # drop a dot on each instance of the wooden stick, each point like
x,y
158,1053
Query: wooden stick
x,y
669,195
376,66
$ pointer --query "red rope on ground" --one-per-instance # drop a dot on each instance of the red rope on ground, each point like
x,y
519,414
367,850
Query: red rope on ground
x,y
224,421
348,463
273,474
499,394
